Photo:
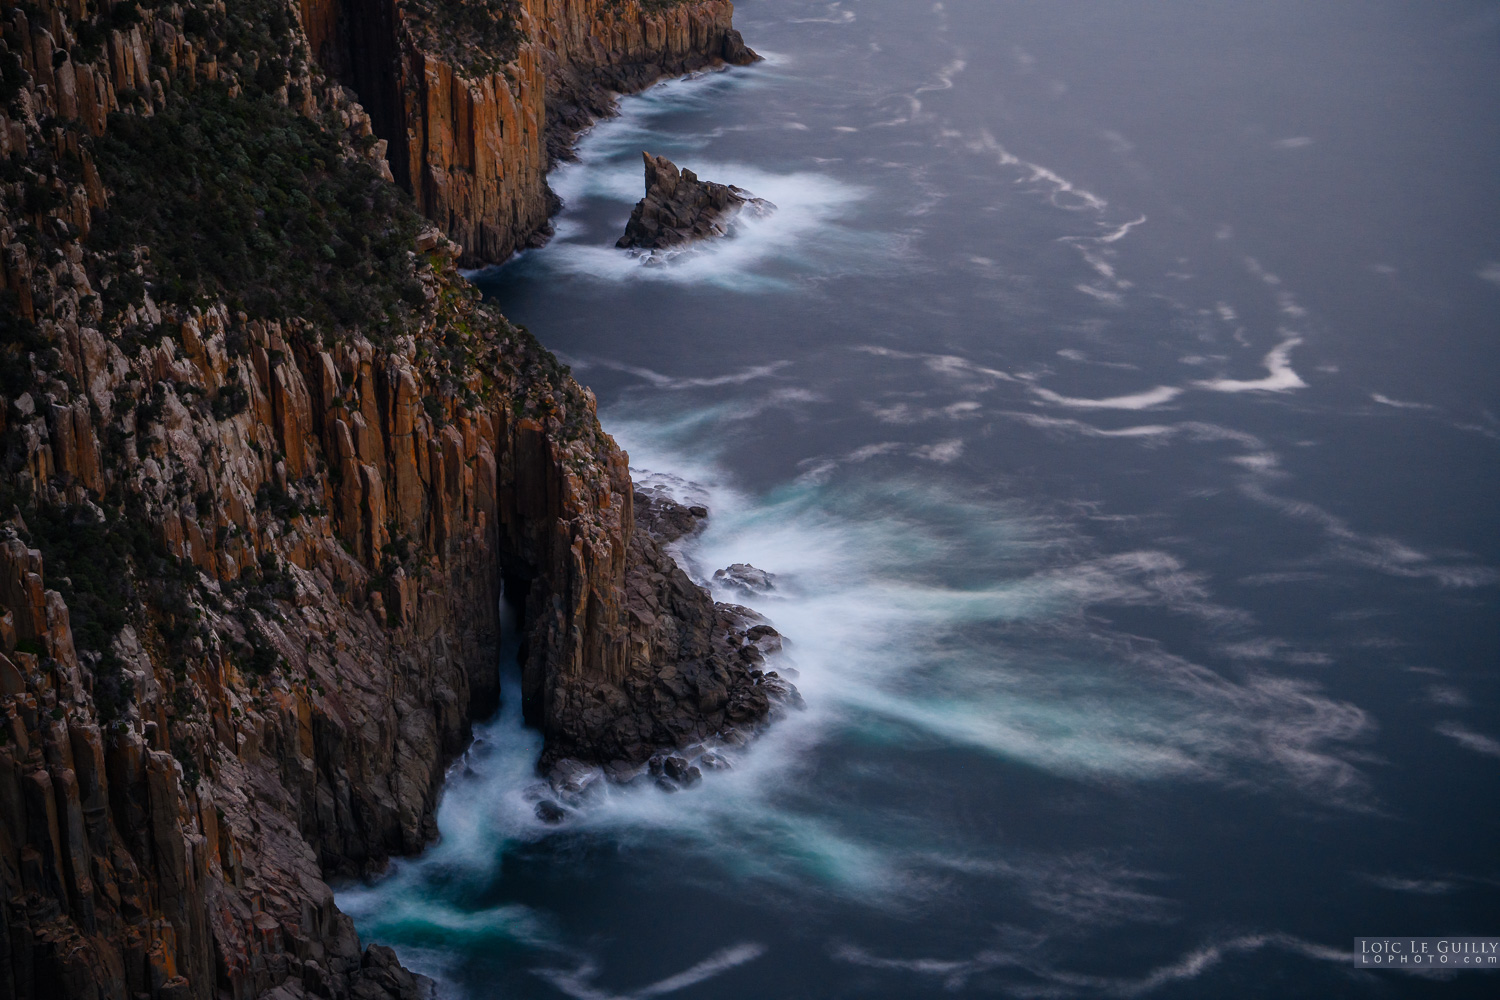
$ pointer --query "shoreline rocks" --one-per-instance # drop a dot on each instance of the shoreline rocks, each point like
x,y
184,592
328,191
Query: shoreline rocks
x,y
679,208
699,691
693,670
746,579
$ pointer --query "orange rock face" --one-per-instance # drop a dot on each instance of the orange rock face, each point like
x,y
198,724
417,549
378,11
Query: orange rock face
x,y
474,148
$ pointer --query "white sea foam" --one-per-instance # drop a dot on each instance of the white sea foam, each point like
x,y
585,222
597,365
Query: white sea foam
x,y
892,646
854,567
1280,377
1447,696
1082,429
1060,192
660,381
805,227
1285,301
1103,295
578,982
1380,553
1031,962
1135,401
941,452
1469,739
1116,235
836,14
1400,404
808,228
945,77
1419,886
943,364
906,413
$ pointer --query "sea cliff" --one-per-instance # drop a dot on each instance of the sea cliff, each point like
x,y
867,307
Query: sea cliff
x,y
267,465
475,101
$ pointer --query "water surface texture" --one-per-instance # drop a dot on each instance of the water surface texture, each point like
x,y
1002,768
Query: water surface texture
x,y
1113,396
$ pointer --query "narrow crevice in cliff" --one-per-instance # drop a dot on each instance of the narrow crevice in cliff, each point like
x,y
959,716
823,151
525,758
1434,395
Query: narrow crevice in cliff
x,y
363,54
515,583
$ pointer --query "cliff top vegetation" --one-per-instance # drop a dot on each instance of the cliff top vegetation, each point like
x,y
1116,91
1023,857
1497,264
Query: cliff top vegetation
x,y
476,36
246,199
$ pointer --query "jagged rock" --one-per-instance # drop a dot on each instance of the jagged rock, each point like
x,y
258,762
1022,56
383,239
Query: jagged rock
x,y
679,208
765,638
663,518
747,580
621,772
573,780
683,676
715,761
782,691
676,768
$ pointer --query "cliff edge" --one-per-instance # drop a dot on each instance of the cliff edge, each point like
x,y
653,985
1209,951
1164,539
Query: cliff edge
x,y
266,465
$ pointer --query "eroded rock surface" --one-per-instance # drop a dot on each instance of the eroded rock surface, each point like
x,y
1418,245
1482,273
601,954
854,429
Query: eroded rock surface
x,y
679,208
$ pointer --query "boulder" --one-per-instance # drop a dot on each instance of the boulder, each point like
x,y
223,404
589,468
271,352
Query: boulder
x,y
748,580
715,761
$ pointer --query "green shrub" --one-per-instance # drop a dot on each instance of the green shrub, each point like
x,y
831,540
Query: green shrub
x,y
478,36
245,199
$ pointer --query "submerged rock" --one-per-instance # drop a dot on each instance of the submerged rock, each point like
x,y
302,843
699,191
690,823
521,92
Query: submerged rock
x,y
747,579
550,812
715,761
679,770
679,208
782,691
573,779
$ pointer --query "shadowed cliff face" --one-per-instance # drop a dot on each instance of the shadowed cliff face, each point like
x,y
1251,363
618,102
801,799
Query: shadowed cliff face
x,y
473,141
265,461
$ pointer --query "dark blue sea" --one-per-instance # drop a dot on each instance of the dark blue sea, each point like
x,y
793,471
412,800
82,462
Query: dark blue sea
x,y
1113,395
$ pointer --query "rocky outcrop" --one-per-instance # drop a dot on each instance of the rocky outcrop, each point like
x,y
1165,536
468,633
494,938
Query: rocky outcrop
x,y
679,208
693,687
472,140
251,552
691,670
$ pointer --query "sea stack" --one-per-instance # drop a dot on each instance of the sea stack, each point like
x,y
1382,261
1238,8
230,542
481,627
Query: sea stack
x,y
679,208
